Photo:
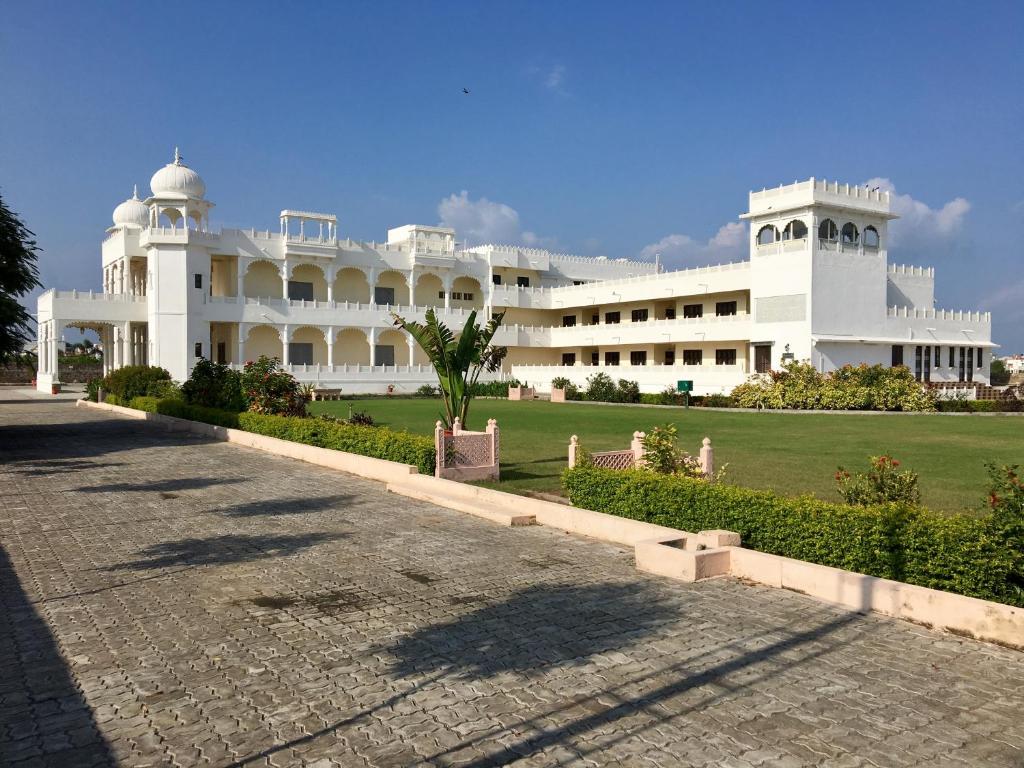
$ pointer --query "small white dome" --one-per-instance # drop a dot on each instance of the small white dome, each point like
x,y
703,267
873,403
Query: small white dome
x,y
132,213
177,179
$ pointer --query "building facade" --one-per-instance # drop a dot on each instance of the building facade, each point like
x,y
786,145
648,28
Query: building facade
x,y
817,286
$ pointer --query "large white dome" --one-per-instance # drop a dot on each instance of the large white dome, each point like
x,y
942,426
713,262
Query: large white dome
x,y
132,213
177,179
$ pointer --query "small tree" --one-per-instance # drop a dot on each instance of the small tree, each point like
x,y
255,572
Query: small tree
x,y
458,361
880,485
998,374
18,276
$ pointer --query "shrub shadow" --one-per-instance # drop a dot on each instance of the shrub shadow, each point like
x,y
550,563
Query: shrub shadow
x,y
175,484
223,550
291,506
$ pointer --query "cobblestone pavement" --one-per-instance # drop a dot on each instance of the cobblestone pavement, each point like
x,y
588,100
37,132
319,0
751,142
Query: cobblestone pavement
x,y
171,601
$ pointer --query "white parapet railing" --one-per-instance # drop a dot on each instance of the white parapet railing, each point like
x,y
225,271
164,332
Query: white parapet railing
x,y
925,313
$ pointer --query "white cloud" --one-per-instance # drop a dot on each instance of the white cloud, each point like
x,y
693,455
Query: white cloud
x,y
486,221
920,224
555,77
729,243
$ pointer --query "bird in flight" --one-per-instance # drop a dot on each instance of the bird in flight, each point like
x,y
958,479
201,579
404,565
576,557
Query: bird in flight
x,y
465,90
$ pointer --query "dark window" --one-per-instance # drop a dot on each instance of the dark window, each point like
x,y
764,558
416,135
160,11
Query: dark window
x,y
384,296
496,279
299,290
639,316
670,357
897,355
577,282
595,358
827,230
638,358
523,281
222,352
693,310
725,357
795,230
850,236
670,313
970,364
199,281
440,294
383,354
568,321
767,234
938,357
693,356
952,357
457,296
301,353
199,349
870,237
611,358
611,318
762,358
568,358
979,358
725,308
927,363
595,319
963,365
918,360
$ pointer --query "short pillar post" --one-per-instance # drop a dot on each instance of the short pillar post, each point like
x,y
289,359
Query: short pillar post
x,y
438,448
457,426
637,446
707,458
492,430
574,446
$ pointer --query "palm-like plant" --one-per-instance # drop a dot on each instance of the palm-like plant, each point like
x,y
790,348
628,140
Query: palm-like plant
x,y
458,361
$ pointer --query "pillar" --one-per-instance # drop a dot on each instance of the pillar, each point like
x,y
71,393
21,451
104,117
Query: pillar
x,y
707,459
284,281
58,330
330,346
330,274
242,333
286,337
373,346
447,283
240,289
412,350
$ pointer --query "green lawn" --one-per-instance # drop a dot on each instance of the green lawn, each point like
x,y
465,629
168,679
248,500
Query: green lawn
x,y
791,453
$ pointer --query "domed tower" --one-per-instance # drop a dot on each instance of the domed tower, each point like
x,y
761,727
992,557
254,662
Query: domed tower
x,y
132,213
178,244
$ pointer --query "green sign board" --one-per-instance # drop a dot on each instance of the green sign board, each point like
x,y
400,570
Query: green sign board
x,y
684,386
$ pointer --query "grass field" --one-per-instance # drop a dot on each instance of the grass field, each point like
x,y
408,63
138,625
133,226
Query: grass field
x,y
790,453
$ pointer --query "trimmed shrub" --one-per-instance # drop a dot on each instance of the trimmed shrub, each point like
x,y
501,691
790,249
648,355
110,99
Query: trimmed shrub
x,y
968,555
718,401
270,390
494,388
136,381
427,390
214,385
881,484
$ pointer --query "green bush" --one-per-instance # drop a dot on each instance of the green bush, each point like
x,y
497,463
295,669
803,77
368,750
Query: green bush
x,y
602,389
135,381
572,392
92,389
214,385
270,390
718,401
882,484
968,555
427,390
494,388
378,442
864,387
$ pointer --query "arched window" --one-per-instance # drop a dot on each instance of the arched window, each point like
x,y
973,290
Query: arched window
x,y
871,238
795,230
767,234
827,230
849,234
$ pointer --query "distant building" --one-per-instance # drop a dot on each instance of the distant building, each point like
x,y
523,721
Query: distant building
x,y
817,286
1014,363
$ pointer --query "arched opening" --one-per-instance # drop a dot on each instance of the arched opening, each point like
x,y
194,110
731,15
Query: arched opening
x,y
795,230
871,238
428,288
828,231
392,348
262,280
197,220
391,288
351,285
767,234
307,282
850,234
308,346
467,293
263,340
169,217
351,347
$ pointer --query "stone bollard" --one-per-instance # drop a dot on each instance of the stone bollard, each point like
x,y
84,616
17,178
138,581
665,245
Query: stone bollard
x,y
707,459
438,448
637,446
494,432
574,445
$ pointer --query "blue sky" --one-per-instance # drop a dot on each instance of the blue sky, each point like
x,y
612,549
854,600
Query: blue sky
x,y
618,129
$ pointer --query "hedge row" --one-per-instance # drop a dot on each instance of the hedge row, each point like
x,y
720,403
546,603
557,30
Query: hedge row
x,y
377,442
957,553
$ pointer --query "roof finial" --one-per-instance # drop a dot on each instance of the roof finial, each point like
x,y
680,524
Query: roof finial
x,y
177,156
135,191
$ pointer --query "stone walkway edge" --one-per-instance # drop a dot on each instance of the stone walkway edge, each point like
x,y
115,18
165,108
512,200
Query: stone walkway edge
x,y
659,550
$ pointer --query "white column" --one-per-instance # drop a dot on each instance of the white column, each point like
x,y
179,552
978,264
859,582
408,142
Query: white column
x,y
330,346
411,280
242,331
115,333
41,348
58,330
284,281
373,346
330,274
447,283
240,290
286,337
412,351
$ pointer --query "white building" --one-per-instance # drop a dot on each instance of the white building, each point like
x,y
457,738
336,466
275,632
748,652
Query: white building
x,y
817,286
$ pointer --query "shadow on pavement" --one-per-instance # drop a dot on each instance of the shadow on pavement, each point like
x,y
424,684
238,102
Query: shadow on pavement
x,y
223,550
157,486
41,703
292,506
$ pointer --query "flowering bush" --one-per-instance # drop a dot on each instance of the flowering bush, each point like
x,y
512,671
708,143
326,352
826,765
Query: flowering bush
x,y
864,387
270,390
662,455
214,385
882,484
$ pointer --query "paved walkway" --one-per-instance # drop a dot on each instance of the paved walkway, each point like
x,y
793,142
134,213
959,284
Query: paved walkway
x,y
170,601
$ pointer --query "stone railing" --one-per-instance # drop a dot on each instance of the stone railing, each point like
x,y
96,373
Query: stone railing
x,y
633,457
464,455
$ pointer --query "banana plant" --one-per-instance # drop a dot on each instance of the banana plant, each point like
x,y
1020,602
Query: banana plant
x,y
458,360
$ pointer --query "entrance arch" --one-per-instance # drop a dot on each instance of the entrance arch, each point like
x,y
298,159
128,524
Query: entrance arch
x,y
351,347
